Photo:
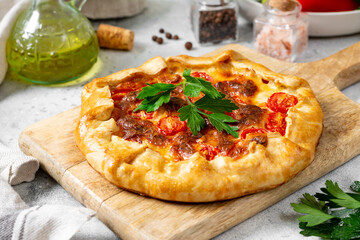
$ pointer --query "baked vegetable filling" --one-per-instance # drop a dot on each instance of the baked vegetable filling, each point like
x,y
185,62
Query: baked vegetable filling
x,y
163,130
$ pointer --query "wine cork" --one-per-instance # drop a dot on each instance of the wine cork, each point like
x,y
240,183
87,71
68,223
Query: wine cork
x,y
284,5
115,37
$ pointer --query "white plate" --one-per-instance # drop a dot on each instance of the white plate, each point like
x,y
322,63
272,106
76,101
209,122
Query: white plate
x,y
321,24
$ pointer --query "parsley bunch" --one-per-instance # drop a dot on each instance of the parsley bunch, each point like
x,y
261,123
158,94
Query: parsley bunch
x,y
213,101
332,214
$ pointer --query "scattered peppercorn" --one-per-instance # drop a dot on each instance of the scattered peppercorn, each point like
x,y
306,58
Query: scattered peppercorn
x,y
154,38
159,40
168,35
176,37
188,45
161,30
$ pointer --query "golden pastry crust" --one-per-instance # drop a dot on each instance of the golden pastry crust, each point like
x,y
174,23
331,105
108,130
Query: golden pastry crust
x,y
139,167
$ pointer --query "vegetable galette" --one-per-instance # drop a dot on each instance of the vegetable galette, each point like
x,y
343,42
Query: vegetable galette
x,y
198,129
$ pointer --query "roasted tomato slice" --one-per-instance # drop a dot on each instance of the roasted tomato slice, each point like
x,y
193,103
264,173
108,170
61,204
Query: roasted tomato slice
x,y
276,123
209,151
202,75
245,132
118,96
231,114
281,102
119,93
171,125
238,149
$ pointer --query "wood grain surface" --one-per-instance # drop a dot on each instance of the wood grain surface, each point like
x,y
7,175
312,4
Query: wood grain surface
x,y
135,217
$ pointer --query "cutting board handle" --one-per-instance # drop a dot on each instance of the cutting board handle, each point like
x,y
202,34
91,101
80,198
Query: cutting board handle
x,y
343,67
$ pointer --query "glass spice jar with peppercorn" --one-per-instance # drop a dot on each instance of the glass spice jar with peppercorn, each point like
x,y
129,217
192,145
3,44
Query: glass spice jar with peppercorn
x,y
214,21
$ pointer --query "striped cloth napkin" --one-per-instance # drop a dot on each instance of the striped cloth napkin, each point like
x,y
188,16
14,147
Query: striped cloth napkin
x,y
18,220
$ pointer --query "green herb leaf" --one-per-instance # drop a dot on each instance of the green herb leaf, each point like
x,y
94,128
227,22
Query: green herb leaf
x,y
159,93
342,213
341,197
355,186
355,196
153,103
323,221
326,196
315,216
312,202
322,230
219,120
193,86
215,105
154,96
348,228
194,120
152,90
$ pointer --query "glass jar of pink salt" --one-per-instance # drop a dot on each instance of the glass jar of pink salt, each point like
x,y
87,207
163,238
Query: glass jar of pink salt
x,y
282,30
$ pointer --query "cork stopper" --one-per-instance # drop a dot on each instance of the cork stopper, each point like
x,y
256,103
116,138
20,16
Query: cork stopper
x,y
115,37
284,5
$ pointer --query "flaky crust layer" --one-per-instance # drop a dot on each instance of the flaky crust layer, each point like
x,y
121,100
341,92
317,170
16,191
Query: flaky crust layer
x,y
138,168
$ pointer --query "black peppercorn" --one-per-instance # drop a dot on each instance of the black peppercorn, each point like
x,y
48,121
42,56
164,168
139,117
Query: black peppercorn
x,y
159,40
188,45
161,30
154,38
168,35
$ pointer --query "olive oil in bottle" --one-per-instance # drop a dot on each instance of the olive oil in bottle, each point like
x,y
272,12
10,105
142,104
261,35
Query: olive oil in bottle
x,y
50,43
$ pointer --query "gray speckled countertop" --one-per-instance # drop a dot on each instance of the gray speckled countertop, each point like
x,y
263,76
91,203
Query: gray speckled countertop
x,y
22,104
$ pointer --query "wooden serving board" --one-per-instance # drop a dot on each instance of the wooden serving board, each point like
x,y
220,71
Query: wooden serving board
x,y
135,217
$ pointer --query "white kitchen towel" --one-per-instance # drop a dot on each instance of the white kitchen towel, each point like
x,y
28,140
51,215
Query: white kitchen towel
x,y
19,221
16,167
47,222
9,11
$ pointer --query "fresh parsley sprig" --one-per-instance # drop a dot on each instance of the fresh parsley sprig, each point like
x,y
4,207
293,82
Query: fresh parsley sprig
x,y
213,101
332,214
154,96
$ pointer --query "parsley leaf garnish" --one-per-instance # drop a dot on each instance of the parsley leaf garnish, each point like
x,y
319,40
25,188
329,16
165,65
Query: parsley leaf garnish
x,y
213,101
340,197
219,121
154,96
154,89
332,214
215,105
194,85
348,228
314,215
195,121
